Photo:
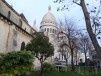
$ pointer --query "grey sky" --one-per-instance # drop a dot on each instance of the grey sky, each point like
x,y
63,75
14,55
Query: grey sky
x,y
35,10
32,9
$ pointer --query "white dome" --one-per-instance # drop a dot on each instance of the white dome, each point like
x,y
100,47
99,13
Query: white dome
x,y
48,17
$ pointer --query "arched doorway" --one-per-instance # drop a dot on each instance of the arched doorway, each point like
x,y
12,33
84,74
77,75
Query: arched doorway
x,y
22,46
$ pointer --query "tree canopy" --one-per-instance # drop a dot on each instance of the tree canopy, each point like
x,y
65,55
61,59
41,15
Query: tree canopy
x,y
40,46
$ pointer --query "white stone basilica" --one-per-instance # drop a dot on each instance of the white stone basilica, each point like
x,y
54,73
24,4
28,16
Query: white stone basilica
x,y
49,27
56,37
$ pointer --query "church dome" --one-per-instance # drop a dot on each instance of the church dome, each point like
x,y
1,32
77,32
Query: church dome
x,y
49,17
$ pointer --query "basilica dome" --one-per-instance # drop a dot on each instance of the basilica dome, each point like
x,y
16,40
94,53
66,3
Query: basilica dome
x,y
48,17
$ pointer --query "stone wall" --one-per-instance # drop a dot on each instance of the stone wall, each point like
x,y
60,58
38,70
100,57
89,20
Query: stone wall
x,y
11,37
13,29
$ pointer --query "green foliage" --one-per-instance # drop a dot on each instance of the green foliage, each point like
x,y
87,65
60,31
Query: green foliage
x,y
40,46
15,63
56,73
48,67
67,73
89,71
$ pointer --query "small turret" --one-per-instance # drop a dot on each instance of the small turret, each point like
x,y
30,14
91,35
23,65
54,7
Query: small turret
x,y
49,8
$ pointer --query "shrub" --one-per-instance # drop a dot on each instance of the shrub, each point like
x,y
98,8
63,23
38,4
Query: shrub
x,y
15,63
48,67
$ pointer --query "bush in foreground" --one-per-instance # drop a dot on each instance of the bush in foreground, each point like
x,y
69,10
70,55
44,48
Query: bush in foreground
x,y
15,63
48,67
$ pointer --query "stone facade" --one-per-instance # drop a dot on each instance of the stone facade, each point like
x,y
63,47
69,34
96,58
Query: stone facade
x,y
57,37
14,29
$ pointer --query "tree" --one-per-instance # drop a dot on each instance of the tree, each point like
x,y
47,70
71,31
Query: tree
x,y
41,48
96,25
90,30
85,45
72,45
63,47
71,35
16,63
92,35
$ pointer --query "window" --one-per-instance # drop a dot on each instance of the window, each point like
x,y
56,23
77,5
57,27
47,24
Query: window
x,y
20,23
50,30
53,30
9,14
47,29
22,46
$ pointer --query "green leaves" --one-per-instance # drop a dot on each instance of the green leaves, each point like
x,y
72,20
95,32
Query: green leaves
x,y
16,63
40,46
48,67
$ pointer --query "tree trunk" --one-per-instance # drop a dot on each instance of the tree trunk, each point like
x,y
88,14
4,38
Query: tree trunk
x,y
66,60
90,30
72,61
85,58
41,69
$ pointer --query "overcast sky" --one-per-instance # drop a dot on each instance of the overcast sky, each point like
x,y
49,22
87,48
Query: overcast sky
x,y
32,9
36,9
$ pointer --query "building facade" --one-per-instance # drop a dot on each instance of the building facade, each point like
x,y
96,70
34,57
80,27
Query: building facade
x,y
14,29
57,37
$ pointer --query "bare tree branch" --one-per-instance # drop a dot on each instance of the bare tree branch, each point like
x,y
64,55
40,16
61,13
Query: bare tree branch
x,y
98,33
76,3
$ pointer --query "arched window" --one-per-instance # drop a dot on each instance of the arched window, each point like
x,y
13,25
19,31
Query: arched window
x,y
9,14
50,30
20,23
53,30
47,29
22,46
